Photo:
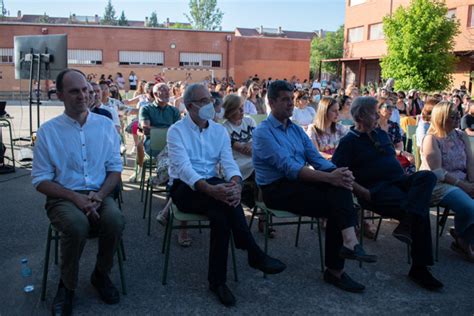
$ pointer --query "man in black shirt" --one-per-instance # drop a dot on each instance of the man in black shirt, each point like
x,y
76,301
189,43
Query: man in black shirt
x,y
467,121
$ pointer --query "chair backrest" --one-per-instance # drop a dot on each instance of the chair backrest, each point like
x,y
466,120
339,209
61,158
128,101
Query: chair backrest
x,y
158,138
411,130
347,122
258,118
416,152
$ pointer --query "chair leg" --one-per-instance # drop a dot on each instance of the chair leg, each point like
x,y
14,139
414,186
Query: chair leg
x,y
321,256
361,231
120,264
266,231
46,263
142,179
146,198
234,263
298,232
150,200
254,213
167,250
165,237
122,248
378,229
437,234
312,223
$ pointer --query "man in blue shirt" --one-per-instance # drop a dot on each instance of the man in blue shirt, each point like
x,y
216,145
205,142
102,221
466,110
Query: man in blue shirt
x,y
293,176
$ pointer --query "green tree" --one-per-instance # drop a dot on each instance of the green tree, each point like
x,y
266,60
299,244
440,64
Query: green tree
x,y
3,10
420,42
109,17
44,18
153,21
123,20
180,26
328,47
204,15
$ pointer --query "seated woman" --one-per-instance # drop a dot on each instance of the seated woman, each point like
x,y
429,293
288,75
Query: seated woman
x,y
254,97
446,150
240,129
303,115
325,132
345,116
424,120
406,159
382,186
315,94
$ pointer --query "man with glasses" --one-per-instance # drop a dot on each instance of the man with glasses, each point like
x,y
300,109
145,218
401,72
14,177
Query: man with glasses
x,y
197,145
94,100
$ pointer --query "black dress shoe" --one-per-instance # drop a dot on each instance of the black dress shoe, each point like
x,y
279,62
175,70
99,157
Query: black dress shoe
x,y
358,253
423,277
62,303
224,294
403,232
267,264
107,290
344,283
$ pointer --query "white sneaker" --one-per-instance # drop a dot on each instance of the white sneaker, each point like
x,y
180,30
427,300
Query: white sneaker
x,y
123,149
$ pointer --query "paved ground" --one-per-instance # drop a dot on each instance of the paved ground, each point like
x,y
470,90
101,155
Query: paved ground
x,y
298,290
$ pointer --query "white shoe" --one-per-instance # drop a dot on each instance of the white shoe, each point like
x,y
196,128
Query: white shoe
x,y
123,149
133,178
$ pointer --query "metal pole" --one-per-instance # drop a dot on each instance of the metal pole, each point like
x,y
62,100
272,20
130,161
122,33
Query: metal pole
x,y
38,85
30,97
320,70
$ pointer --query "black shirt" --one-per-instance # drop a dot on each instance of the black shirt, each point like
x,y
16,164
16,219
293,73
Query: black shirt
x,y
372,162
467,121
103,112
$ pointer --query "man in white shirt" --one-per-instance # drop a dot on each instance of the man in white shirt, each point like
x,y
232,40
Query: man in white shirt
x,y
110,104
196,145
77,166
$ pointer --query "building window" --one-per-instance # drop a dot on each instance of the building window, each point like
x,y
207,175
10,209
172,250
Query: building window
x,y
471,16
84,57
451,14
141,58
355,34
376,31
6,55
200,60
356,2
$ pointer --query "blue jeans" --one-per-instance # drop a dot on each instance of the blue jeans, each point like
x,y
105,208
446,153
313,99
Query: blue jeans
x,y
463,205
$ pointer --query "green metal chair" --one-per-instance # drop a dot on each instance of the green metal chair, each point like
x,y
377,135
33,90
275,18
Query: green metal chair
x,y
258,118
53,234
176,214
471,139
410,134
6,123
157,144
441,220
285,218
416,152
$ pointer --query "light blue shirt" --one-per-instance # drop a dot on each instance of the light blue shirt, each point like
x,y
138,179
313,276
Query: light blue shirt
x,y
280,152
74,156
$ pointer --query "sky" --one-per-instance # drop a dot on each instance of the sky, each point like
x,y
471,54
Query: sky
x,y
294,15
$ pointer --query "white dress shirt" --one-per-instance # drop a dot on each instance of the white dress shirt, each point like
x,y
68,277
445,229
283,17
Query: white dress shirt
x,y
113,108
194,154
74,156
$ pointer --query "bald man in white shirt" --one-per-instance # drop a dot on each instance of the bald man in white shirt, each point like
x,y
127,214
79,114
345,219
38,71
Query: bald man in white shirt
x,y
196,144
77,166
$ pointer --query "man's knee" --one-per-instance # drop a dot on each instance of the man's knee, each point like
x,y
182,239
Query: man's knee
x,y
112,220
78,229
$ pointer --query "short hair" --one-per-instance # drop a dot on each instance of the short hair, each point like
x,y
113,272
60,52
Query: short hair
x,y
60,78
188,95
158,86
276,87
361,106
231,105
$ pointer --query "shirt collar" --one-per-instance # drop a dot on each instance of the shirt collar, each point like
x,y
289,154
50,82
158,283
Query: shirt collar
x,y
277,124
188,121
72,121
155,104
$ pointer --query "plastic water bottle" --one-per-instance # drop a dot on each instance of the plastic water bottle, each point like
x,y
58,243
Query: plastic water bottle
x,y
26,276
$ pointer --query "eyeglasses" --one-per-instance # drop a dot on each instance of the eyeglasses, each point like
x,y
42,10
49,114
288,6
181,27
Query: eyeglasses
x,y
388,107
203,101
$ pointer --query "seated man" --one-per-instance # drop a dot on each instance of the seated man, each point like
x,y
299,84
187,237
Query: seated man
x,y
196,145
77,166
158,114
109,104
94,100
382,186
281,152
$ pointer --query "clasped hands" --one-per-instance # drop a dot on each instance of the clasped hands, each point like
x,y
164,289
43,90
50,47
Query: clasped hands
x,y
229,193
342,177
89,205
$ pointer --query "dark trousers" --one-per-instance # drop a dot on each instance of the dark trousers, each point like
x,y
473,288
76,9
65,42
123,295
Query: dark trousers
x,y
224,219
316,200
408,195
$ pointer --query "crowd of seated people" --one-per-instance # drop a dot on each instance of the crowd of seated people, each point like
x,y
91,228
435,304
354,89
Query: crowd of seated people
x,y
312,149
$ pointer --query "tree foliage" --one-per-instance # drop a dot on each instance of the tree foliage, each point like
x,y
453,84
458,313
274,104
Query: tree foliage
x,y
44,18
420,42
153,21
328,47
3,9
109,17
204,15
123,20
180,26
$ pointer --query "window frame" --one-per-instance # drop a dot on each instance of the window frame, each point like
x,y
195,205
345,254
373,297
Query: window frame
x,y
369,32
85,62
139,62
202,62
5,52
353,28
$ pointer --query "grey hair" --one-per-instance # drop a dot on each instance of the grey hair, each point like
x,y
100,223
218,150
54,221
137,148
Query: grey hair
x,y
158,86
361,107
188,95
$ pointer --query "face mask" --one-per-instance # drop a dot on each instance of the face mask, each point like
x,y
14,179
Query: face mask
x,y
316,98
207,112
